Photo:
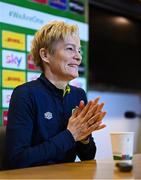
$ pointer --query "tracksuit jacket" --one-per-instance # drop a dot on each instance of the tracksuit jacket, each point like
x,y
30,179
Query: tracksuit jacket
x,y
37,132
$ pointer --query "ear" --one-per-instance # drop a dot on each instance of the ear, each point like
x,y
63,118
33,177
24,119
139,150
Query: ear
x,y
44,54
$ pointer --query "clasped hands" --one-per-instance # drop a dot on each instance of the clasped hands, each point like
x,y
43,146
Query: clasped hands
x,y
86,119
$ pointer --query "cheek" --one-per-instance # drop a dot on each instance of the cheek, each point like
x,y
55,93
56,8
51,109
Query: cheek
x,y
62,60
64,56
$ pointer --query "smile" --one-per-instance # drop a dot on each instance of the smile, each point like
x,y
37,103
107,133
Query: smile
x,y
73,65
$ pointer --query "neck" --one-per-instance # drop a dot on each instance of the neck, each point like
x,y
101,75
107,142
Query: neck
x,y
55,81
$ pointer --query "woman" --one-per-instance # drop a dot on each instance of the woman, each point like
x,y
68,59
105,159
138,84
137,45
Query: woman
x,y
50,121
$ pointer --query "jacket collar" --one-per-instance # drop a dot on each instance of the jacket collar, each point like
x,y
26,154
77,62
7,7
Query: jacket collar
x,y
52,88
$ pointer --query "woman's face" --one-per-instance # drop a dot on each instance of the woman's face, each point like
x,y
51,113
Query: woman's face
x,y
66,58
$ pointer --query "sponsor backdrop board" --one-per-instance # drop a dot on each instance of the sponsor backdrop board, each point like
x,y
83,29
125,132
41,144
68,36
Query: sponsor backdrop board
x,y
19,20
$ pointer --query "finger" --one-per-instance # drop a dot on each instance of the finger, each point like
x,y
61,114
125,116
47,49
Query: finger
x,y
100,127
85,109
75,111
99,108
96,100
92,105
91,112
94,119
93,109
93,127
81,104
102,115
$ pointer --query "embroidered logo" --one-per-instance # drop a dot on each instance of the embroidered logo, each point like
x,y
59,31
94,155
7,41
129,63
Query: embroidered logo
x,y
48,115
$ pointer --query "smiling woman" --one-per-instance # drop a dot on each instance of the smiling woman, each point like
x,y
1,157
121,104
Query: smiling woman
x,y
64,61
50,121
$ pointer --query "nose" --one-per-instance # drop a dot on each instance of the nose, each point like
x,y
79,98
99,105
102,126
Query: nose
x,y
78,56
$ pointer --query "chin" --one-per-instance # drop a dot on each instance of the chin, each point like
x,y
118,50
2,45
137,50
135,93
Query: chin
x,y
73,76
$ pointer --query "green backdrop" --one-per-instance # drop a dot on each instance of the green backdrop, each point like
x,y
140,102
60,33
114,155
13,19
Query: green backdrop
x,y
19,20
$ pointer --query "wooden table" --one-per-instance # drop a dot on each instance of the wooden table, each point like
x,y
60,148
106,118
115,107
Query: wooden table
x,y
100,169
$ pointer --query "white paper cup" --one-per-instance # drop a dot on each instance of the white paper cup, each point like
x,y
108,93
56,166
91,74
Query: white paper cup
x,y
122,146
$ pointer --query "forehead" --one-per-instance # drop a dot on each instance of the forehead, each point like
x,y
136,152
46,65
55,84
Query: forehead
x,y
68,40
72,40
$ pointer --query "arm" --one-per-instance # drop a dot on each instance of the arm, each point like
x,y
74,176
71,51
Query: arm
x,y
85,120
19,149
86,149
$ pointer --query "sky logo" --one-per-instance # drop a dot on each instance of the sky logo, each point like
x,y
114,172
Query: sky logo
x,y
13,59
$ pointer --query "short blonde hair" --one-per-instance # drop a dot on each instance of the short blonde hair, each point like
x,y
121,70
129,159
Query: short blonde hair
x,y
48,36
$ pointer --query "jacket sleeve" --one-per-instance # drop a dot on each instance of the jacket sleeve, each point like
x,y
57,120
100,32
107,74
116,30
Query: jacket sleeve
x,y
19,151
86,151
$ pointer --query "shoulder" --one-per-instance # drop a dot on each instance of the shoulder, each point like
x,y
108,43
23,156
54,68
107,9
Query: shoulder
x,y
26,88
77,90
79,93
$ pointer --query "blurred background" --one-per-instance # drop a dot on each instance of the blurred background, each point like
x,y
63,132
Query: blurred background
x,y
110,33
